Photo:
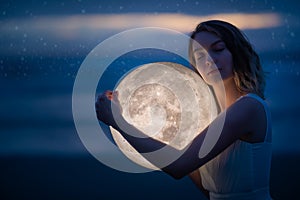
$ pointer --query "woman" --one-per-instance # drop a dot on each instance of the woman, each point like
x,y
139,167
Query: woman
x,y
238,166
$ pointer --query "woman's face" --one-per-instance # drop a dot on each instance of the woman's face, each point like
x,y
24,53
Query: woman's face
x,y
213,59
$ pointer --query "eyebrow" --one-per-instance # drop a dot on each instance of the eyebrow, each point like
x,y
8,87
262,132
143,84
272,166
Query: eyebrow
x,y
212,44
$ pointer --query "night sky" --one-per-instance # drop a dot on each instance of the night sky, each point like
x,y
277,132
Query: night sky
x,y
44,43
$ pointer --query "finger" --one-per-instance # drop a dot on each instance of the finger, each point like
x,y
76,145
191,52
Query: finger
x,y
115,96
116,100
109,94
103,96
116,92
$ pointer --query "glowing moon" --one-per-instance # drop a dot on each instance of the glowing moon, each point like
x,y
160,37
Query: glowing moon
x,y
166,101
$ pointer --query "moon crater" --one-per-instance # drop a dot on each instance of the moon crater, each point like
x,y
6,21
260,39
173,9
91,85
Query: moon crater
x,y
155,110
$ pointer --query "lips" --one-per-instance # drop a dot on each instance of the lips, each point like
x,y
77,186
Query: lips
x,y
213,71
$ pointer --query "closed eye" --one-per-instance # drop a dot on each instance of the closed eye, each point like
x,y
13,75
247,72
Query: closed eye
x,y
199,55
219,49
218,46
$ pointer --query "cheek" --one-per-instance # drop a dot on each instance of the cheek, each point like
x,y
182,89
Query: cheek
x,y
202,72
200,68
227,64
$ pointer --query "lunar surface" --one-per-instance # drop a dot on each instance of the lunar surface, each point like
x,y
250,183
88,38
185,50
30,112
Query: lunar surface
x,y
166,101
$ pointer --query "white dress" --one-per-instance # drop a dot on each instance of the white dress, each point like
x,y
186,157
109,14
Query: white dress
x,y
241,171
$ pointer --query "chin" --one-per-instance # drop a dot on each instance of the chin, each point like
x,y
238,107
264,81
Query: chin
x,y
214,79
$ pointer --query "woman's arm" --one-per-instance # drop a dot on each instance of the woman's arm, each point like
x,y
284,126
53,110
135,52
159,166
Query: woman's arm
x,y
241,119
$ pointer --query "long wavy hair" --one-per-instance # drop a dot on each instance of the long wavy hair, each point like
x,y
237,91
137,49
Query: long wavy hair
x,y
249,76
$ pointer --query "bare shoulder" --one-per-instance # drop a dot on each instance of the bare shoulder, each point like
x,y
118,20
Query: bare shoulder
x,y
249,104
249,113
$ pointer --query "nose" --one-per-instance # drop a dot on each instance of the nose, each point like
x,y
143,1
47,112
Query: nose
x,y
209,61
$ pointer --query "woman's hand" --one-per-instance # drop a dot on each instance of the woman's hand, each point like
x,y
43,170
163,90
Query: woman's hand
x,y
108,108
